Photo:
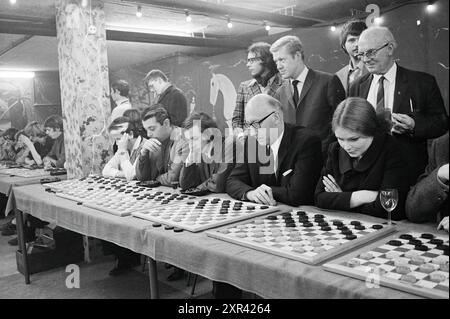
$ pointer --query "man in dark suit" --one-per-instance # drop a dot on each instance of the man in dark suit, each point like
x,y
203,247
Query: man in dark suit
x,y
428,199
282,162
412,99
308,97
171,97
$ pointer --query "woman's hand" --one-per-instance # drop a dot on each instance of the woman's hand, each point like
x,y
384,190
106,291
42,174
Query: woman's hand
x,y
330,184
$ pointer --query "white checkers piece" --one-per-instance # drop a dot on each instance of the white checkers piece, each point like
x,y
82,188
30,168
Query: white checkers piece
x,y
303,236
200,214
414,262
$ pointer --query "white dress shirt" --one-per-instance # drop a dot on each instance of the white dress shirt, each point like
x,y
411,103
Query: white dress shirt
x,y
120,162
275,146
389,88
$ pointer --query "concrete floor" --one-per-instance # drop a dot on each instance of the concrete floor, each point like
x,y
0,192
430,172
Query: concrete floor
x,y
95,283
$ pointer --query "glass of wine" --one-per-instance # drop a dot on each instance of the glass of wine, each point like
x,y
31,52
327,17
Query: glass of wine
x,y
389,200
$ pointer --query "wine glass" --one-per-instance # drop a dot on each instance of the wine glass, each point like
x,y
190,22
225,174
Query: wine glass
x,y
389,200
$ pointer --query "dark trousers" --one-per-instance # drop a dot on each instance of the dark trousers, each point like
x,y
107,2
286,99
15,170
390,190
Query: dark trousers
x,y
3,201
226,291
123,254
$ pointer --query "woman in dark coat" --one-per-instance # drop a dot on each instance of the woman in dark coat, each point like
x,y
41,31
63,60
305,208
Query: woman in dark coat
x,y
364,160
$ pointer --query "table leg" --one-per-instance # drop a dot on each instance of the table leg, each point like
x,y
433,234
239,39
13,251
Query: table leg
x,y
153,277
22,244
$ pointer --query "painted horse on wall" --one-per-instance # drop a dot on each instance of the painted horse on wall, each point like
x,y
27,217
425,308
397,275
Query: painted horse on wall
x,y
221,83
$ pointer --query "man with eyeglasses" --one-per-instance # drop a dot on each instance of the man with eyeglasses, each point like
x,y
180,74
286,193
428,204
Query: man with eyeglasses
x,y
410,98
308,97
282,162
266,79
349,43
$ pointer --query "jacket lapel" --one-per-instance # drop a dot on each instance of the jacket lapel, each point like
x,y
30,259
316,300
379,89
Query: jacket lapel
x,y
365,86
284,146
307,85
401,88
288,91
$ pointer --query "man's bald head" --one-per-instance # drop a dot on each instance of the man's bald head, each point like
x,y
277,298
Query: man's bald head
x,y
264,116
378,45
380,35
260,105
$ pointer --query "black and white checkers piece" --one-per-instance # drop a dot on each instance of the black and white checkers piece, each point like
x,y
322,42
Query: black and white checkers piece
x,y
24,172
114,196
415,263
206,213
307,237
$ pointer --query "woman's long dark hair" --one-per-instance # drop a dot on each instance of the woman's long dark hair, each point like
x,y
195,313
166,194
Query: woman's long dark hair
x,y
358,115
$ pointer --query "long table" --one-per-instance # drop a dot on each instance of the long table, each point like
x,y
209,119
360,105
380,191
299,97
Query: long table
x,y
7,182
263,274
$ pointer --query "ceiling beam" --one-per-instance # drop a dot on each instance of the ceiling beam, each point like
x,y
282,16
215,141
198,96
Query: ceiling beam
x,y
15,44
175,40
221,11
49,29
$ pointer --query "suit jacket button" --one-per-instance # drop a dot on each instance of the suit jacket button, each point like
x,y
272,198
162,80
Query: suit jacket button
x,y
439,197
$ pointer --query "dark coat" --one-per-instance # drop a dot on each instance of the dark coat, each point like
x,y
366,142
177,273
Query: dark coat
x,y
381,167
299,164
422,92
320,95
175,103
211,175
429,197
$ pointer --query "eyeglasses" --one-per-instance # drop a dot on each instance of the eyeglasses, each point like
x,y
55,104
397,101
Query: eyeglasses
x,y
257,124
253,60
371,52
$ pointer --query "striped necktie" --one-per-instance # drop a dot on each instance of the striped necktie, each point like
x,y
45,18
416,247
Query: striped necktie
x,y
380,95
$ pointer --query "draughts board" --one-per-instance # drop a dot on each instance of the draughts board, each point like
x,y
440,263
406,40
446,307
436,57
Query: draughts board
x,y
114,196
302,236
410,263
201,214
24,172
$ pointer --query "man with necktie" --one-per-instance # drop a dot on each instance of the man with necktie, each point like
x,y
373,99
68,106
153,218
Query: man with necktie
x,y
308,97
412,99
355,68
281,163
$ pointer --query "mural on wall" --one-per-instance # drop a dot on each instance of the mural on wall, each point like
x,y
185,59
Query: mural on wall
x,y
16,100
220,83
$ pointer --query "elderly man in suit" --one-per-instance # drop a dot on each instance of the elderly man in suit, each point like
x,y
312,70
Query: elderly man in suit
x,y
282,162
412,99
308,97
428,199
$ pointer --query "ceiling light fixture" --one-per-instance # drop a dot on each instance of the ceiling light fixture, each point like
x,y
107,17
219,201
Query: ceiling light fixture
x,y
139,12
431,6
12,1
333,28
229,24
418,22
84,3
188,16
16,74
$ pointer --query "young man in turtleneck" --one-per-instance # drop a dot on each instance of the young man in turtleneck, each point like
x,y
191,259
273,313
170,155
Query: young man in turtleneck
x,y
266,79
